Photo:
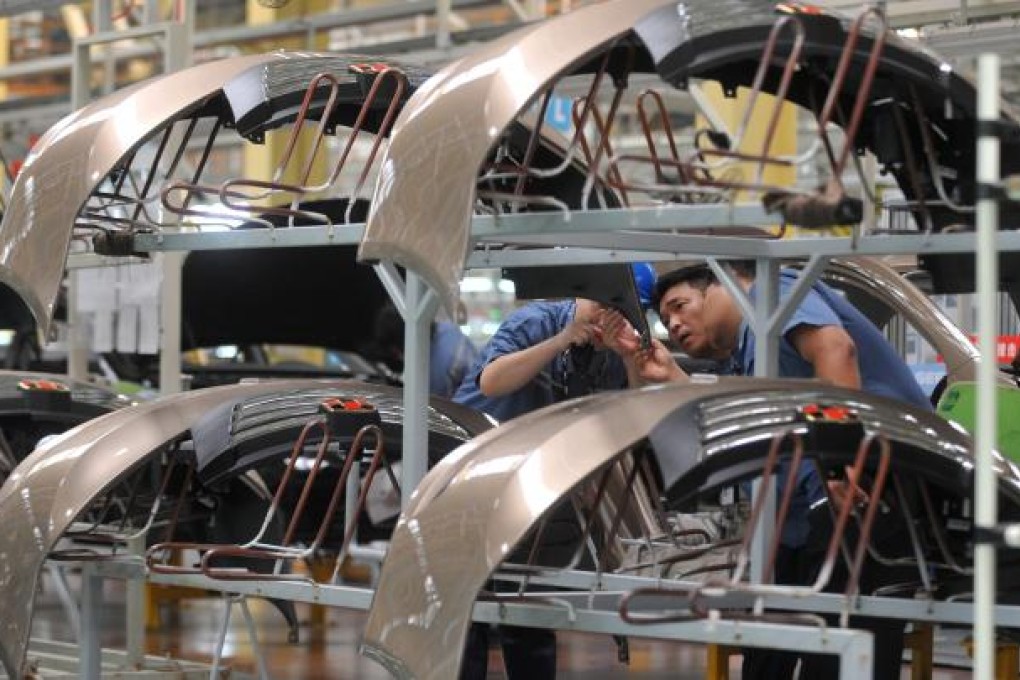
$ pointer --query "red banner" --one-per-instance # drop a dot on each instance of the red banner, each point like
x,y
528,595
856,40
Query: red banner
x,y
1006,347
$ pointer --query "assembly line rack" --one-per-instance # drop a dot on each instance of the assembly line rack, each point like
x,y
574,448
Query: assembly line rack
x,y
600,237
648,234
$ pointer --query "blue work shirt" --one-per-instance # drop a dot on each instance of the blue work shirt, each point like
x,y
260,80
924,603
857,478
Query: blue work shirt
x,y
882,372
452,356
526,327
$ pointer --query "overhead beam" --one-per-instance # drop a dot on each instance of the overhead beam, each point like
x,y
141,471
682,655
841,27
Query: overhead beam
x,y
917,13
12,7
240,34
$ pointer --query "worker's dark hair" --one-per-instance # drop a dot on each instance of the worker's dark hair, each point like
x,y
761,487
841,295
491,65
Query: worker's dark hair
x,y
698,276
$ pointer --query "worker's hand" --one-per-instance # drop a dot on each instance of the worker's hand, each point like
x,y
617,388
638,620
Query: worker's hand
x,y
577,332
618,334
656,365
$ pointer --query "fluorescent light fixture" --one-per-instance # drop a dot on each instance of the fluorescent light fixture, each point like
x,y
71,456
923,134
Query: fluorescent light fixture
x,y
476,284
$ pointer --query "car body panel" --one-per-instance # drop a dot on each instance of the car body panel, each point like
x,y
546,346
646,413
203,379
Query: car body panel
x,y
73,159
494,490
881,282
424,195
57,482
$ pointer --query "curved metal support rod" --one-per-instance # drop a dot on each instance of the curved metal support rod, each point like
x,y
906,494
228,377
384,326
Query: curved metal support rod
x,y
306,490
614,526
694,552
586,531
919,558
547,201
299,124
667,129
911,165
685,168
603,131
864,536
784,507
620,84
863,91
771,460
937,530
932,158
381,134
710,588
378,458
274,506
568,155
789,68
533,139
765,62
285,552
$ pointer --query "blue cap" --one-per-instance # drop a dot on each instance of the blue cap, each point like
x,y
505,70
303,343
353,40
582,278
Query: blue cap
x,y
644,281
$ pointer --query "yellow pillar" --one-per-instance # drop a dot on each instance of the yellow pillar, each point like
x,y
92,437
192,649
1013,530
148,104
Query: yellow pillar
x,y
921,643
731,111
1007,658
718,667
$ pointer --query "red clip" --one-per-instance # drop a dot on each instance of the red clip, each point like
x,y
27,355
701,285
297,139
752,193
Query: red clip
x,y
338,404
368,68
42,385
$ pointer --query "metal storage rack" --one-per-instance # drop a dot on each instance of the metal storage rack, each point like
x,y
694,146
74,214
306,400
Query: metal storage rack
x,y
613,236
624,235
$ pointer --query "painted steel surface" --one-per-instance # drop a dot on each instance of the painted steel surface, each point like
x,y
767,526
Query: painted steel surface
x,y
880,281
424,196
78,154
57,482
492,491
74,157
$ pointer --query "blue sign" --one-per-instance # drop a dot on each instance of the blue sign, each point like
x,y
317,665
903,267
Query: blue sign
x,y
558,114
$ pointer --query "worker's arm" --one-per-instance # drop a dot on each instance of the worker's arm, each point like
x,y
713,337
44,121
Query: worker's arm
x,y
511,372
831,351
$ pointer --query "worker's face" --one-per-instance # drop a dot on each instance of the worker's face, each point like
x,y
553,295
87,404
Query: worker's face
x,y
702,323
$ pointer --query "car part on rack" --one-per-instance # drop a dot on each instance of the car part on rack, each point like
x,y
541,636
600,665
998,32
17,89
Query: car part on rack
x,y
492,89
95,175
496,490
62,480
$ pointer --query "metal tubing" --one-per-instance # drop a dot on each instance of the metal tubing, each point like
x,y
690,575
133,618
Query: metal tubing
x,y
253,634
135,605
766,365
214,671
420,305
986,510
90,662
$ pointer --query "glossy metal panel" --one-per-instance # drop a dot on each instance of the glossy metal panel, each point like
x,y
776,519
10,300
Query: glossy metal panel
x,y
879,280
424,196
488,494
58,481
75,156
491,492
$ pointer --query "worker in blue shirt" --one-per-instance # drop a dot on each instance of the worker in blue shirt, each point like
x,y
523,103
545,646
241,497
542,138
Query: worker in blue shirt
x,y
825,338
542,353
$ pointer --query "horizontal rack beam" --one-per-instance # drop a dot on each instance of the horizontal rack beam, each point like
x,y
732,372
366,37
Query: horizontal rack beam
x,y
635,232
612,586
